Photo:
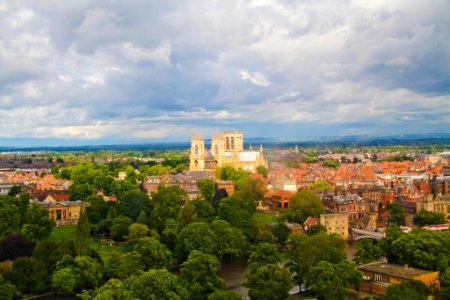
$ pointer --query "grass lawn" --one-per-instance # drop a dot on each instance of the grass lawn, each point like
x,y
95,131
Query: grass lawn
x,y
63,232
119,252
263,219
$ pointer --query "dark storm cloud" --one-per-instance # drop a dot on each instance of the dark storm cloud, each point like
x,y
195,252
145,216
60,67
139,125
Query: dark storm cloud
x,y
153,70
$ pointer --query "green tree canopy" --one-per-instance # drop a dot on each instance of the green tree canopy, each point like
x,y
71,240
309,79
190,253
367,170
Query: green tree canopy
x,y
231,240
133,203
329,281
367,251
196,236
199,275
425,217
304,204
269,282
38,223
304,252
149,253
413,290
167,202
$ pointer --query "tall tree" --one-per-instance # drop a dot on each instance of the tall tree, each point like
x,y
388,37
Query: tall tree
x,y
304,252
83,233
196,236
397,214
330,281
199,275
149,253
367,251
206,187
304,204
269,282
14,246
156,284
38,224
231,240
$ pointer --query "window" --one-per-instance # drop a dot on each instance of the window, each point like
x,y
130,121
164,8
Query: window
x,y
232,143
196,150
227,143
216,149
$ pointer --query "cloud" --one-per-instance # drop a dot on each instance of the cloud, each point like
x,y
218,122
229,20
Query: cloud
x,y
141,70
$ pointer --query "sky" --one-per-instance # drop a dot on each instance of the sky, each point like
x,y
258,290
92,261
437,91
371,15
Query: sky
x,y
111,72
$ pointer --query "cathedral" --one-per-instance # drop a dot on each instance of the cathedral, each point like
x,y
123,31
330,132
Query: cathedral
x,y
227,148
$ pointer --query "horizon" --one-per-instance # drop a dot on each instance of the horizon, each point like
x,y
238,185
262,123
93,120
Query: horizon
x,y
109,73
307,141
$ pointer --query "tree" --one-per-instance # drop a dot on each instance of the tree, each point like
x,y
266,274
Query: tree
x,y
79,191
268,282
38,224
367,251
262,170
425,217
187,214
119,228
7,290
151,254
321,185
412,290
143,218
331,163
263,254
30,275
9,217
14,246
155,284
304,204
66,281
137,231
204,209
199,275
91,271
445,284
231,240
239,211
196,236
83,233
315,229
329,281
224,295
15,190
423,249
281,232
304,252
397,214
393,232
114,289
206,187
133,203
168,202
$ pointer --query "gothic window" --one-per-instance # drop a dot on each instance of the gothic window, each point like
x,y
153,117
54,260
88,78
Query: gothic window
x,y
196,163
196,150
232,143
228,143
216,149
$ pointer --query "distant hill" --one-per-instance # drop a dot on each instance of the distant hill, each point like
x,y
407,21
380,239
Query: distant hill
x,y
351,140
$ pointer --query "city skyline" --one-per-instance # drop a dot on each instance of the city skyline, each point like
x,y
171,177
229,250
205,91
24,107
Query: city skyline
x,y
106,72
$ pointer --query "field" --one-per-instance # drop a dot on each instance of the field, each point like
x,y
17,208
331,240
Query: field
x,y
63,233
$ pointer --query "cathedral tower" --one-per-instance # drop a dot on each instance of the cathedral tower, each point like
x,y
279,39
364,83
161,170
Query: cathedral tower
x,y
218,148
197,152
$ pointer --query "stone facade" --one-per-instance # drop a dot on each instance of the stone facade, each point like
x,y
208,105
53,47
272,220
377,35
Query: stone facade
x,y
227,148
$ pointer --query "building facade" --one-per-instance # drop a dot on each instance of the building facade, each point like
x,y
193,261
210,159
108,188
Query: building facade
x,y
227,149
379,275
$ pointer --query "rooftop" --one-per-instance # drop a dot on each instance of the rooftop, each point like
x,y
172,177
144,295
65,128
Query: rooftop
x,y
404,272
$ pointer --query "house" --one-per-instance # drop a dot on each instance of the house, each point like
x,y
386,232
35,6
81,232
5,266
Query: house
x,y
279,199
379,275
67,212
311,221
